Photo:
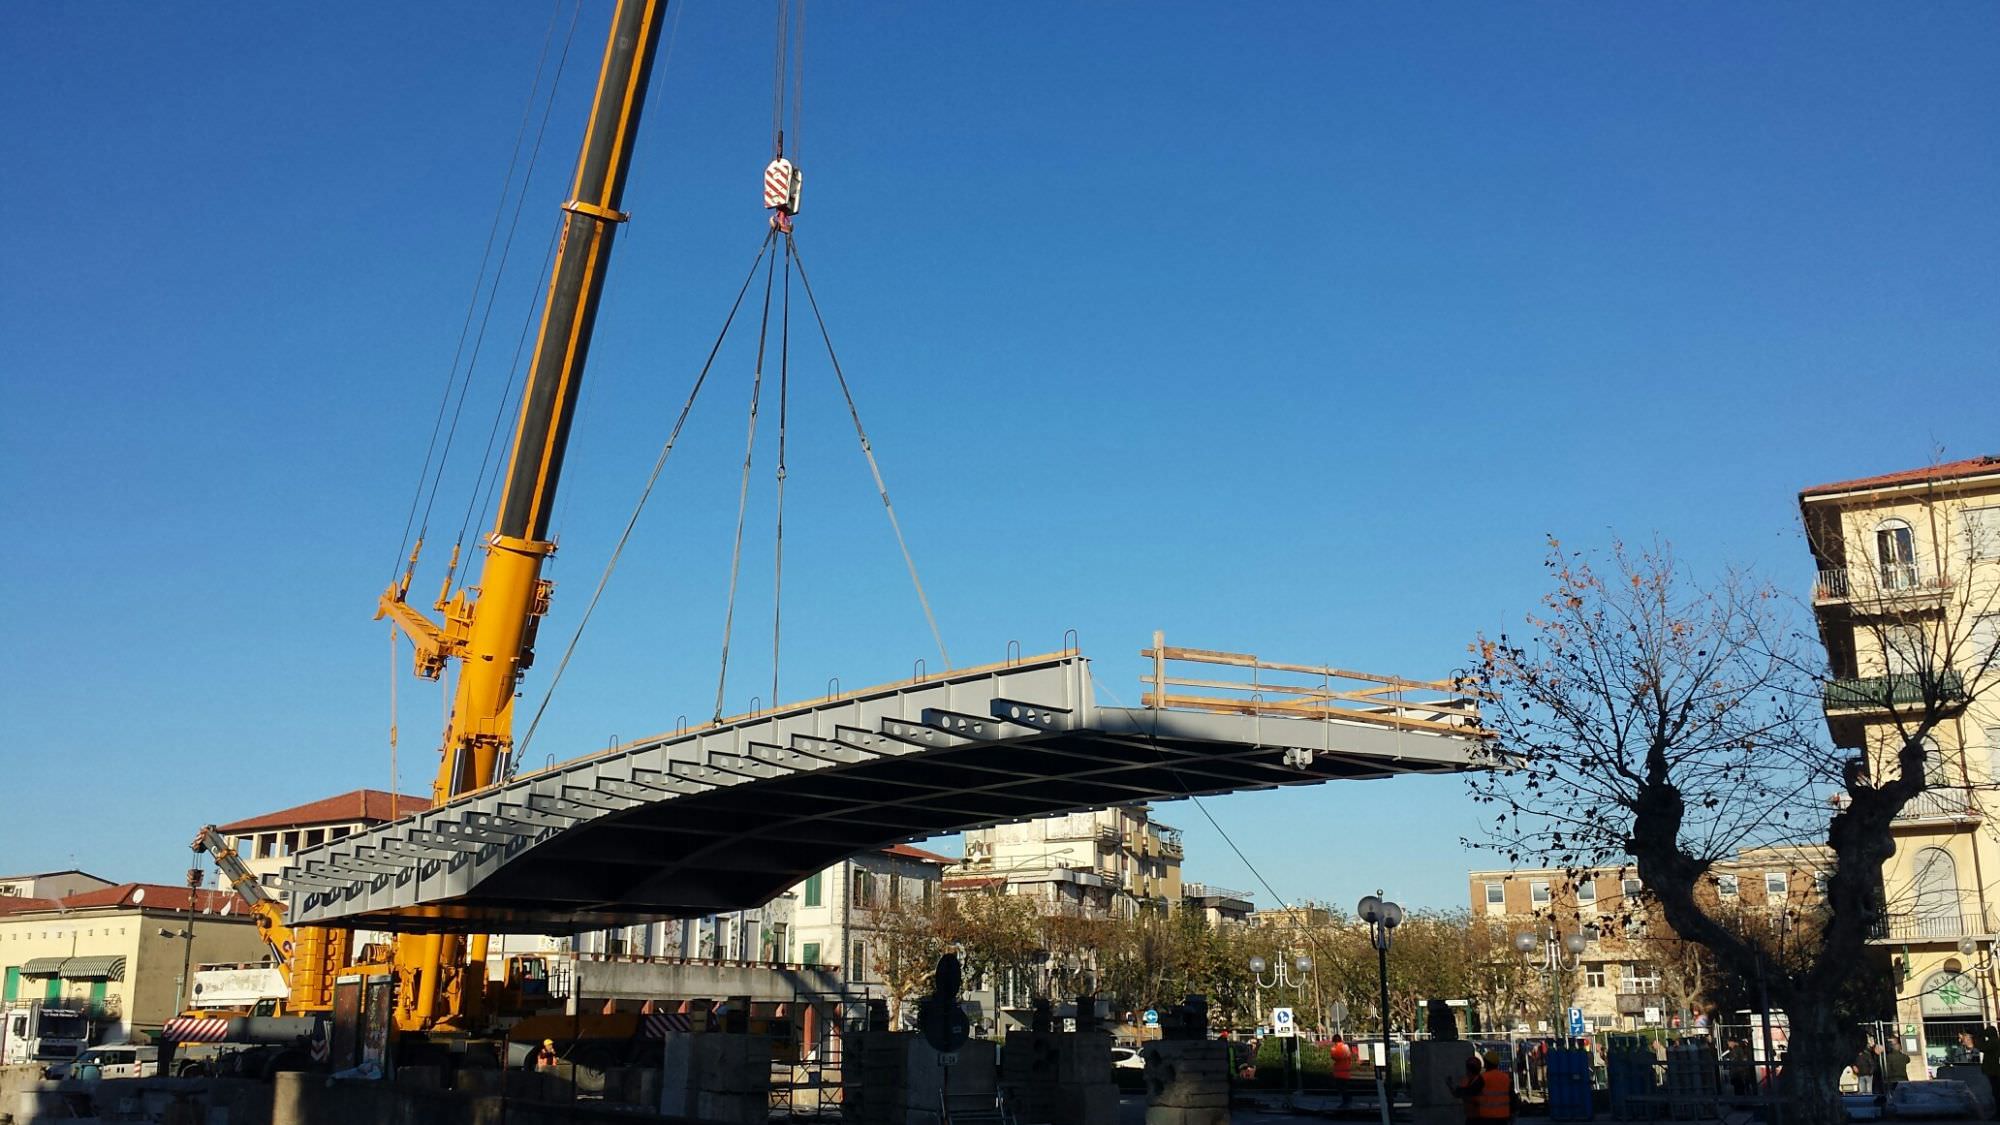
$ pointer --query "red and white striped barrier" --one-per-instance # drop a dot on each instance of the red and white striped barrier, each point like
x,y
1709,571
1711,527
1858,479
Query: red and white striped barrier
x,y
187,1029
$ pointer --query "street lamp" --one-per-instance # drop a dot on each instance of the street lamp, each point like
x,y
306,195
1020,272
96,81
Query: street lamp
x,y
1980,970
1553,962
1382,918
1280,978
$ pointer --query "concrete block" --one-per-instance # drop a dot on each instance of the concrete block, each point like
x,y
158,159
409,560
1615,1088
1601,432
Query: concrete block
x,y
1166,1115
1094,1103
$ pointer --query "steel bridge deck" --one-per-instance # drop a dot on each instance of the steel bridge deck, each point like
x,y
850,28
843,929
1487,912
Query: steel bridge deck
x,y
728,816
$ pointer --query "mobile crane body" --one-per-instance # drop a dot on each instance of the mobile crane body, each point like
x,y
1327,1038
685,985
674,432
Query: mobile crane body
x,y
486,630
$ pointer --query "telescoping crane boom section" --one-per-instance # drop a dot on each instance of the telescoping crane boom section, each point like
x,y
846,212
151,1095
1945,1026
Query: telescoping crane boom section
x,y
488,629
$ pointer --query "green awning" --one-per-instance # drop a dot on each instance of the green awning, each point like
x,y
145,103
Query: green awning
x,y
105,966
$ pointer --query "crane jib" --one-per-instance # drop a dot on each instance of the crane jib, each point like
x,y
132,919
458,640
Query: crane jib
x,y
577,281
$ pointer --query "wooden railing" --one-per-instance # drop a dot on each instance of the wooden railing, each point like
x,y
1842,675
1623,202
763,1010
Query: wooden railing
x,y
1309,691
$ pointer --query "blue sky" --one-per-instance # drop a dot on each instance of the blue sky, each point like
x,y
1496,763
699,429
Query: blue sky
x,y
1290,329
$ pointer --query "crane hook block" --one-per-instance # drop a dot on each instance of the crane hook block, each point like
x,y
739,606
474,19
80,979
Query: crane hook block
x,y
782,182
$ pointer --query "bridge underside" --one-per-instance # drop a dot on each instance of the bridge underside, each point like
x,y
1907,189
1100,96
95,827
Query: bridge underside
x,y
729,816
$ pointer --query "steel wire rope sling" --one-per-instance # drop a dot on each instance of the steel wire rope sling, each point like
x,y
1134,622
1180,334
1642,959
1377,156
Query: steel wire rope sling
x,y
645,493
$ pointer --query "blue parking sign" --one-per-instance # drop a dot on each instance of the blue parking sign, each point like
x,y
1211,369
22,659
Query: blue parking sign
x,y
1576,1022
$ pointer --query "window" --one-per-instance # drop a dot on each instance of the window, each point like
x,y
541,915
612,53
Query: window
x,y
1593,975
315,837
1586,892
1982,643
1896,554
1538,892
1819,885
1982,533
1725,886
1776,883
895,890
1631,887
859,969
340,831
1905,651
864,888
814,889
1496,894
1592,934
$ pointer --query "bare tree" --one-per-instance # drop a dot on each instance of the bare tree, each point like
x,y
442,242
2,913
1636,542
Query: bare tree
x,y
1650,719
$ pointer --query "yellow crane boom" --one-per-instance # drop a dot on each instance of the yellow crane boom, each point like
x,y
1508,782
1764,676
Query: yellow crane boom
x,y
488,629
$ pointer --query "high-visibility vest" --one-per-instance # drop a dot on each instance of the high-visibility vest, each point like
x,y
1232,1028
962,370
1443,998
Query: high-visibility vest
x,y
1469,1091
1343,1060
1495,1099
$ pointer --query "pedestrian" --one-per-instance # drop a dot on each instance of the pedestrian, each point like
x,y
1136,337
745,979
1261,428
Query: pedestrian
x,y
545,1057
1469,1088
1895,1066
1866,1067
1741,1067
1343,1067
1989,1058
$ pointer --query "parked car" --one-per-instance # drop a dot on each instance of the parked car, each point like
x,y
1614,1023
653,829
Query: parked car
x,y
118,1060
1127,1058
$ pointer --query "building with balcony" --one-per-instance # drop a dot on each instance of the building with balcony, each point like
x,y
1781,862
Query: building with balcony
x,y
265,842
1218,906
1112,862
1907,599
116,952
1630,973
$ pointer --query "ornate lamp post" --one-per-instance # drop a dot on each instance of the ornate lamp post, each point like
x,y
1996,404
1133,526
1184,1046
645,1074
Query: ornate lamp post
x,y
1553,946
1280,978
1382,917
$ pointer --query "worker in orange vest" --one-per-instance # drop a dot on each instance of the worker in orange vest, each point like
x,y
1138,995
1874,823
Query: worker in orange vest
x,y
1343,1066
1495,1099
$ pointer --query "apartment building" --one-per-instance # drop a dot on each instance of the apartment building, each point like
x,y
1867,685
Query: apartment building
x,y
266,842
116,952
1629,974
1218,906
838,910
50,884
1907,592
1112,862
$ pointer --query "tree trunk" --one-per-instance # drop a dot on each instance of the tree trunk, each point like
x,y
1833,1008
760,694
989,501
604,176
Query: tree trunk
x,y
1821,1047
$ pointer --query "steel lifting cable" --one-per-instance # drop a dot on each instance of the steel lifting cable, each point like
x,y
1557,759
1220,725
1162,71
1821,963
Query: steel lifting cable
x,y
453,375
868,451
632,521
778,546
743,492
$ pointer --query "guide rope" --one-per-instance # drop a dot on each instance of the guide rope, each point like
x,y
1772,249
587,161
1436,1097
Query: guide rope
x,y
433,455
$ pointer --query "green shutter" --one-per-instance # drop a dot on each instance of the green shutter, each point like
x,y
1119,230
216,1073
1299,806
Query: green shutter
x,y
13,984
97,988
810,953
53,991
813,894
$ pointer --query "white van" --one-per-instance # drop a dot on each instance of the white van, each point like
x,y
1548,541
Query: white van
x,y
116,1061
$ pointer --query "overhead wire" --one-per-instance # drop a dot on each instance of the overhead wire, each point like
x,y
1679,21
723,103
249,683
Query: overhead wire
x,y
453,375
868,451
632,521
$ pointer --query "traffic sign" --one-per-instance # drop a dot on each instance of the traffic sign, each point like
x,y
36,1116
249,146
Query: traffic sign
x,y
1575,1022
1152,1017
1281,1023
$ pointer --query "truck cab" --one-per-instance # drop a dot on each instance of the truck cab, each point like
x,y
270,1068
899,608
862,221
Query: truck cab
x,y
37,1033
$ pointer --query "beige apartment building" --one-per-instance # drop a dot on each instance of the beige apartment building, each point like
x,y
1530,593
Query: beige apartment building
x,y
1631,973
116,952
1112,862
1909,580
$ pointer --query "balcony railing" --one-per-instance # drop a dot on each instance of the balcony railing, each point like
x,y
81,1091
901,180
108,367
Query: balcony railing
x,y
1947,804
1927,926
1893,580
1639,986
1880,693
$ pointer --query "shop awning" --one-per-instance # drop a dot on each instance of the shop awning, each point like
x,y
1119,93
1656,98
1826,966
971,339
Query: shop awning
x,y
105,966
